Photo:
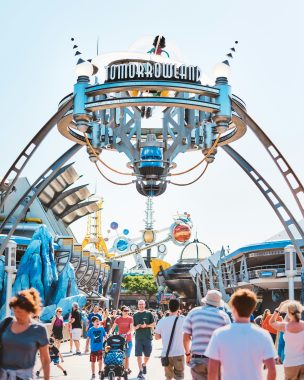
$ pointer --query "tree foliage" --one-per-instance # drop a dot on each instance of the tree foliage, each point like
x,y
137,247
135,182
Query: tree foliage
x,y
144,285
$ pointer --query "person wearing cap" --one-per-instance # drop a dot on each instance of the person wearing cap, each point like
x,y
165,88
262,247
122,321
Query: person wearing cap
x,y
57,327
198,328
124,323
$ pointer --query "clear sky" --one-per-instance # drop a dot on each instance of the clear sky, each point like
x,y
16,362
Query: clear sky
x,y
37,66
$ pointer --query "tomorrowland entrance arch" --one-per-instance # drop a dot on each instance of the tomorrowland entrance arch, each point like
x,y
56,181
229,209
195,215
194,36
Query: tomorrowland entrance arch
x,y
108,116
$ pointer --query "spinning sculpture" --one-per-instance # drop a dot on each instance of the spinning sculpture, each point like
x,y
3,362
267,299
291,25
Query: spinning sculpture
x,y
108,116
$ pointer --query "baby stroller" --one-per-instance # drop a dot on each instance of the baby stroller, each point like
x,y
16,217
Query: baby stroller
x,y
114,358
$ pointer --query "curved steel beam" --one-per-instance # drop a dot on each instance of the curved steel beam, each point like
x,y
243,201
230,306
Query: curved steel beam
x,y
75,207
32,193
289,175
24,157
287,219
60,196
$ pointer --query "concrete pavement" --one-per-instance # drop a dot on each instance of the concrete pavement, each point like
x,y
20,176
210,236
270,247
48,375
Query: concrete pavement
x,y
79,367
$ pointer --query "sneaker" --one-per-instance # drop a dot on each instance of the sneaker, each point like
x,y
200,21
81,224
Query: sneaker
x,y
78,353
144,367
65,373
99,373
93,375
140,375
37,373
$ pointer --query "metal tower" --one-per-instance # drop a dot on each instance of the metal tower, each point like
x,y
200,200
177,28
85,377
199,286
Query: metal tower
x,y
94,235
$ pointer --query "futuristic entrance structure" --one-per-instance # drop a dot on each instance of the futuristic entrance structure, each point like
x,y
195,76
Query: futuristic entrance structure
x,y
111,113
109,116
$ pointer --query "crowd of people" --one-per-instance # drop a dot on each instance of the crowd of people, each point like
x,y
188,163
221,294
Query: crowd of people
x,y
215,340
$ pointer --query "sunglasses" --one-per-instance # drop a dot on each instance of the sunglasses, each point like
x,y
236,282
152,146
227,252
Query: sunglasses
x,y
59,311
126,311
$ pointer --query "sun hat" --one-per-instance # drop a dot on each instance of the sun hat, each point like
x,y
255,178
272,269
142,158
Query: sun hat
x,y
213,298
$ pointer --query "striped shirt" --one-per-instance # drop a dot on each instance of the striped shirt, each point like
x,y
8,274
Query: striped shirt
x,y
200,324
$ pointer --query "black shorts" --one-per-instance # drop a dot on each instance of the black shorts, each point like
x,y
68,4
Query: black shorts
x,y
57,334
143,346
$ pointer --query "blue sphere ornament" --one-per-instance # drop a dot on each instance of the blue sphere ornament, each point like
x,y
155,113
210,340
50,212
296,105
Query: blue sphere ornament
x,y
121,245
125,231
114,225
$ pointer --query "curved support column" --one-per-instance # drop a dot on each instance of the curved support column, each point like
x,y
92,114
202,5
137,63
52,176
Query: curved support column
x,y
288,174
24,157
32,193
287,219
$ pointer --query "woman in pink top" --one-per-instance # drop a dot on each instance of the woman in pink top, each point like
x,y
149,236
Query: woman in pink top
x,y
125,327
294,338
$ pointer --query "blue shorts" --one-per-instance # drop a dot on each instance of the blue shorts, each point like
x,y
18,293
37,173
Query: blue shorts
x,y
129,349
55,360
143,346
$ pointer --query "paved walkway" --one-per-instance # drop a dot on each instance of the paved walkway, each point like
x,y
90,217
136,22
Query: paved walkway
x,y
78,367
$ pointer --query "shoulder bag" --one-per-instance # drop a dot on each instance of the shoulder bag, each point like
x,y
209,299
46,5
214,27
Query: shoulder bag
x,y
165,359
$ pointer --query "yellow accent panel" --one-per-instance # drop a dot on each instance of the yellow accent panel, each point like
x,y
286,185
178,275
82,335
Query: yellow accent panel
x,y
156,264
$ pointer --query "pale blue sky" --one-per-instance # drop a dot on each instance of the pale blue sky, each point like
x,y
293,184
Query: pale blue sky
x,y
37,66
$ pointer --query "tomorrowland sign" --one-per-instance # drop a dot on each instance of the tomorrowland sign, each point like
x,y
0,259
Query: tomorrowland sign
x,y
152,70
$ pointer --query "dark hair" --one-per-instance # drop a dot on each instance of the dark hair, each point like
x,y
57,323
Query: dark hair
x,y
162,42
174,305
244,301
28,300
94,319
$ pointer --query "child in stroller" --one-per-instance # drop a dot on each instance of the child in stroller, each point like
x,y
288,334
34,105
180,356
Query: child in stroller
x,y
114,358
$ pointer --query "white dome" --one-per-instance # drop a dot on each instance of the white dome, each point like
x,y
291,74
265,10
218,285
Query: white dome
x,y
195,251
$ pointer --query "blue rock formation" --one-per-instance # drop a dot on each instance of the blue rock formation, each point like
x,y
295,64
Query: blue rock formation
x,y
66,286
37,269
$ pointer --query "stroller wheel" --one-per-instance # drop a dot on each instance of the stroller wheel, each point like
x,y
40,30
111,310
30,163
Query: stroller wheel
x,y
111,375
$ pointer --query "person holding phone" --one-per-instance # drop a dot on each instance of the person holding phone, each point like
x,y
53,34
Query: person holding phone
x,y
143,325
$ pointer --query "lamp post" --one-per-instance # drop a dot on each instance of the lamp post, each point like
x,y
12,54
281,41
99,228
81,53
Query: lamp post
x,y
10,269
290,268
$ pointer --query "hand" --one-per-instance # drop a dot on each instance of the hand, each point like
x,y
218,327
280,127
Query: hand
x,y
282,304
188,358
144,325
62,360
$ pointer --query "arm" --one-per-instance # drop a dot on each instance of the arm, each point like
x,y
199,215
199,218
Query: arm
x,y
52,323
157,336
213,369
280,326
186,341
271,369
45,361
131,328
61,357
112,328
152,322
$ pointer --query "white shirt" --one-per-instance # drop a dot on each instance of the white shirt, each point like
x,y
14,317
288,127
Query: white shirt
x,y
241,349
164,328
294,348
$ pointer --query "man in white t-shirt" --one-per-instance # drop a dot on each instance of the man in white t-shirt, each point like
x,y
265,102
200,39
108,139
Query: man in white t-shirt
x,y
163,330
241,349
